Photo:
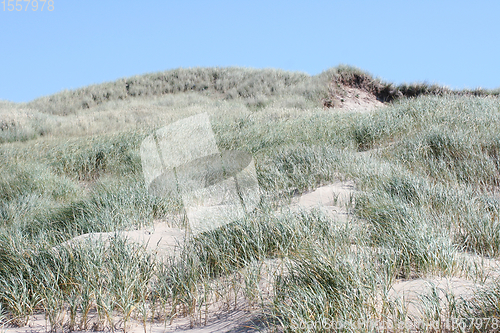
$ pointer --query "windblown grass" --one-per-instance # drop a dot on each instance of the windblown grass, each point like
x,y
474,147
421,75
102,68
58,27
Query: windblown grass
x,y
426,168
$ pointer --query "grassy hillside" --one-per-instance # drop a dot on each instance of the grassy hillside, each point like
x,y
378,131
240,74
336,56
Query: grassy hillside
x,y
426,167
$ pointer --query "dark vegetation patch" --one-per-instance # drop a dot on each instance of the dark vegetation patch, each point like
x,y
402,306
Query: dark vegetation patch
x,y
345,76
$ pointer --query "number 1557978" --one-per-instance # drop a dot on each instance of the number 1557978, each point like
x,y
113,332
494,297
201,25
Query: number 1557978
x,y
24,5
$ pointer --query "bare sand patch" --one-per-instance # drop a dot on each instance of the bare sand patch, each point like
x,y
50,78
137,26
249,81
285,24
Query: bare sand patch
x,y
160,239
358,100
333,200
415,297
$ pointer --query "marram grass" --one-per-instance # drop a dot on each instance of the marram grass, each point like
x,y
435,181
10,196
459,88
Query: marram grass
x,y
426,171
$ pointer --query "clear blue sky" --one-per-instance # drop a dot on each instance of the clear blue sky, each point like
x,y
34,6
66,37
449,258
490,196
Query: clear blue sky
x,y
454,43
